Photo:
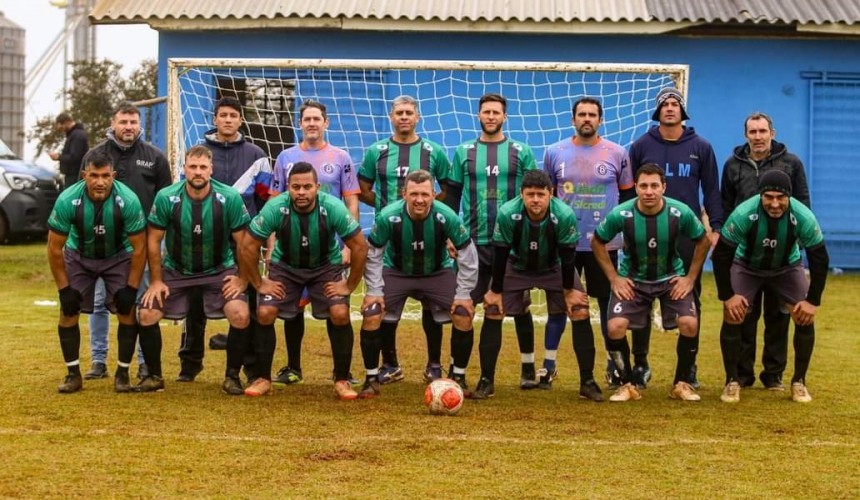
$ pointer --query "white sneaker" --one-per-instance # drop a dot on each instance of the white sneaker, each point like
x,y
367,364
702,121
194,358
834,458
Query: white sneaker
x,y
799,394
731,393
626,392
684,391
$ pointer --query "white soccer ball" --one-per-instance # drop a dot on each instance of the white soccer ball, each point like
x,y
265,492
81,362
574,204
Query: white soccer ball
x,y
443,397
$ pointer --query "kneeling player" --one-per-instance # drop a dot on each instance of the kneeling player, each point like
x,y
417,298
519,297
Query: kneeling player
x,y
651,270
408,258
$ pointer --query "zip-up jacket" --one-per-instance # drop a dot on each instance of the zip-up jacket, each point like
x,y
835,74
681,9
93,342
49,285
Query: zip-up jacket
x,y
243,165
741,173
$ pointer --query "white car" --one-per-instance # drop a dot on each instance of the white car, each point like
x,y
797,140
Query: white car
x,y
27,196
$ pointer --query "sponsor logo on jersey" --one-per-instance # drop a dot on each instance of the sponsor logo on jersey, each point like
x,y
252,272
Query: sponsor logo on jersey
x,y
394,218
328,168
427,146
285,210
792,219
382,147
119,201
323,211
517,216
753,217
440,218
626,213
674,211
76,202
516,146
553,219
468,146
601,169
220,198
174,199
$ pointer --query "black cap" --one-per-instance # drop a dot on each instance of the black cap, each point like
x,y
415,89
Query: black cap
x,y
774,180
665,94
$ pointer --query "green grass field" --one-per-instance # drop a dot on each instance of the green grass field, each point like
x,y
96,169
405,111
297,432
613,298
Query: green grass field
x,y
194,441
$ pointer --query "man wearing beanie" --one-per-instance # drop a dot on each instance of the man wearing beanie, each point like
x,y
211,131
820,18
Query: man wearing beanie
x,y
759,154
759,249
691,168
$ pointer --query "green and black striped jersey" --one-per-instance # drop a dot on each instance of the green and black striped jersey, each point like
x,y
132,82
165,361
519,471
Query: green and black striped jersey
x,y
651,241
97,230
305,240
387,163
535,245
490,175
767,243
198,233
417,247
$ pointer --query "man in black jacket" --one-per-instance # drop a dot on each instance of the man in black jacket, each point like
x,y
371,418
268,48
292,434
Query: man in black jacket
x,y
741,173
74,149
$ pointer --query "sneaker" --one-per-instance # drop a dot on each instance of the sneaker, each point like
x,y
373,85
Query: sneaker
x,y
98,370
370,389
344,391
152,383
641,376
432,372
528,378
485,389
626,392
260,387
389,374
590,390
72,383
693,379
613,378
288,376
684,391
189,372
545,378
461,381
799,394
232,386
121,382
731,393
142,372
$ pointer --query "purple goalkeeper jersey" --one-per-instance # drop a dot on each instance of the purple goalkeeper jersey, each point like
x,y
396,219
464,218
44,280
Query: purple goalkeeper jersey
x,y
335,171
588,179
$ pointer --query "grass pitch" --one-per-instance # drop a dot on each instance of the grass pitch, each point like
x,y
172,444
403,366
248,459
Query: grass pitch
x,y
194,441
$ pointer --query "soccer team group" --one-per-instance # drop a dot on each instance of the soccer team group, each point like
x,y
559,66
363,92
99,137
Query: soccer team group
x,y
238,239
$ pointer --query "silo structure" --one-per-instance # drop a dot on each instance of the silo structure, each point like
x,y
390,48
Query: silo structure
x,y
12,74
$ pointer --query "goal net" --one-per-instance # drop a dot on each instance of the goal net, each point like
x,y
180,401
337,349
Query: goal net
x,y
358,95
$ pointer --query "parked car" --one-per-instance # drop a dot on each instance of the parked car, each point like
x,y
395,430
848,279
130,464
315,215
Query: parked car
x,y
27,196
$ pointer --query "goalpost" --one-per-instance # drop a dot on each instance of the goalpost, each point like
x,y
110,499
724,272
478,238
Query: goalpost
x,y
358,95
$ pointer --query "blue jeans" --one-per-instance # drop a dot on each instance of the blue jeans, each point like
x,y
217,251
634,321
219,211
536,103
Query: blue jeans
x,y
100,321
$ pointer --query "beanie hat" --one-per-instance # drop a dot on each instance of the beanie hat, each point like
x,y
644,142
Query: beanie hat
x,y
774,180
665,94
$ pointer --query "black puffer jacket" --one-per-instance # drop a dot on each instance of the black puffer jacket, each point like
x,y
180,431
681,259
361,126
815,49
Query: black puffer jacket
x,y
740,175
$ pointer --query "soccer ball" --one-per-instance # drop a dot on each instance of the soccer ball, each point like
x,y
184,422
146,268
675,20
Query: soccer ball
x,y
443,396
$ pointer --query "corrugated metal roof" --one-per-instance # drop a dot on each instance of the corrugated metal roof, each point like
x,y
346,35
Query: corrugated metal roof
x,y
544,11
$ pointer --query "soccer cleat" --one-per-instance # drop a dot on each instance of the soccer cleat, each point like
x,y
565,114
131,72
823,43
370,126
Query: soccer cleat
x,y
152,383
590,390
370,389
142,372
344,391
121,382
189,372
799,394
432,372
72,383
684,391
693,379
288,376
98,370
485,389
545,378
626,392
389,374
352,380
460,378
528,378
259,387
772,383
232,386
731,392
641,376
218,342
613,378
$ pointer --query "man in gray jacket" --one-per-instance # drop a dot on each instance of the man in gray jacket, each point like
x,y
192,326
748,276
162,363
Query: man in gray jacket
x,y
741,172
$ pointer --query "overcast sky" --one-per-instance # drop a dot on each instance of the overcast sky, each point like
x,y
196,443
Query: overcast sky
x,y
127,44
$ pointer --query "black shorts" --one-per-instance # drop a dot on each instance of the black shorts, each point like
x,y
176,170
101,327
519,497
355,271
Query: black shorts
x,y
435,291
638,310
788,283
182,285
518,285
83,272
295,281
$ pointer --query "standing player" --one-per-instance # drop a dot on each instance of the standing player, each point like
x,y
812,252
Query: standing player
x,y
535,244
305,255
381,178
197,218
761,153
408,258
97,231
590,174
651,270
486,173
758,249
338,178
691,168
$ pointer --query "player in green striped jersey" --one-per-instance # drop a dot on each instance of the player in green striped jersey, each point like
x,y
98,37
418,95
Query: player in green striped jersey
x,y
535,246
408,257
306,255
758,249
197,216
97,231
651,270
381,177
